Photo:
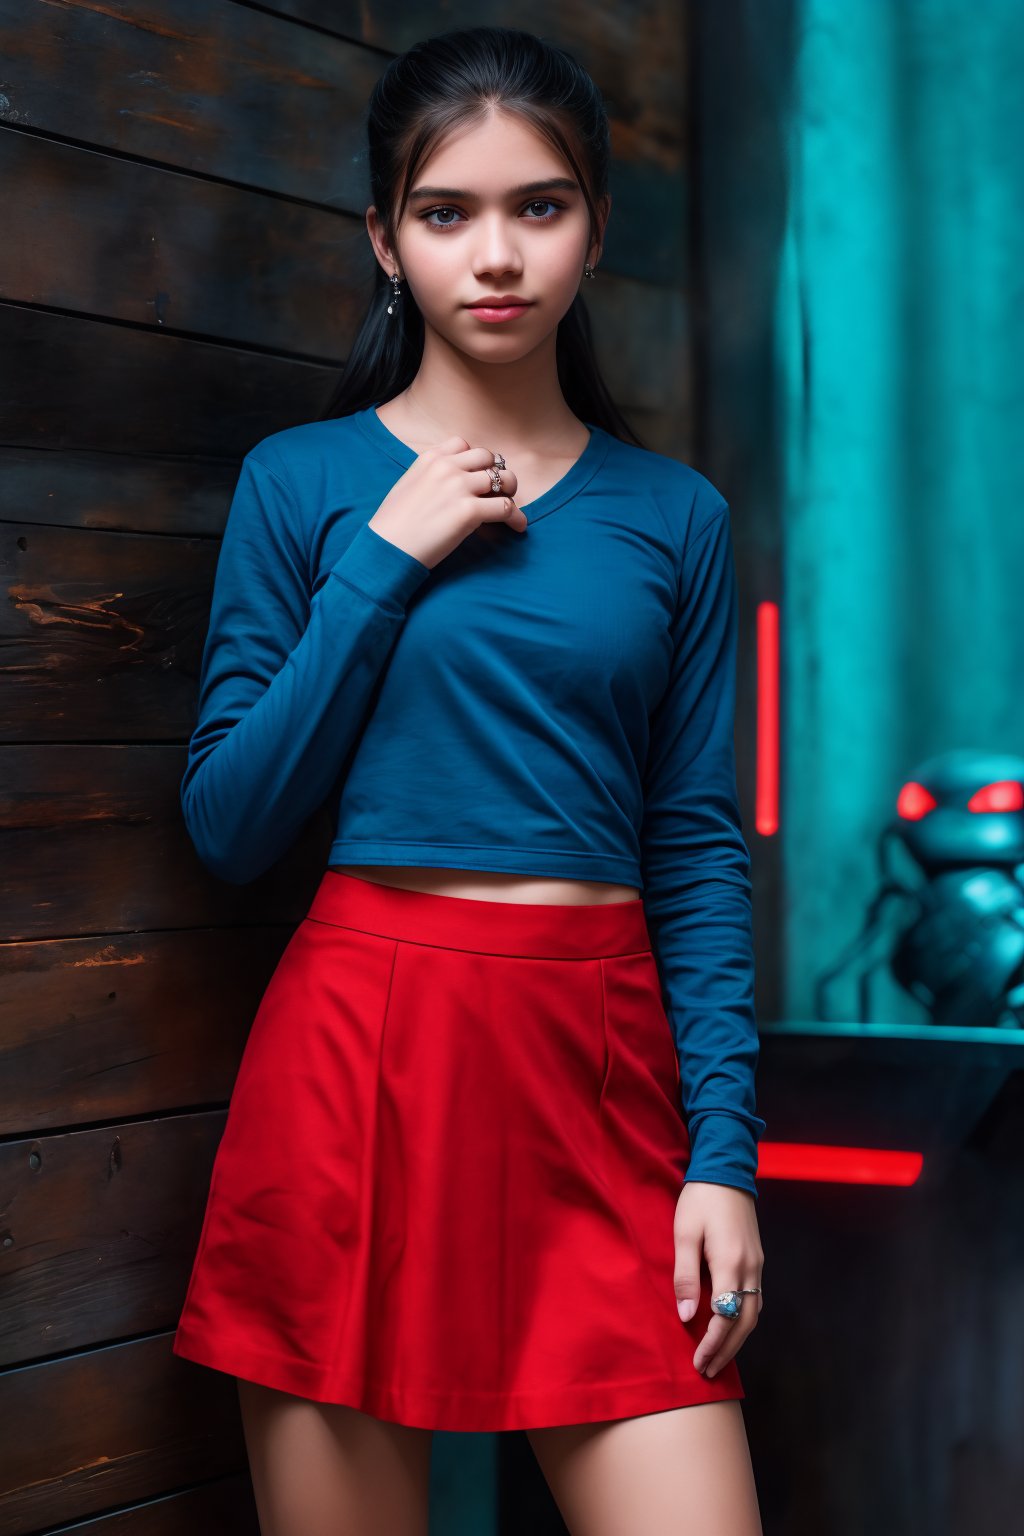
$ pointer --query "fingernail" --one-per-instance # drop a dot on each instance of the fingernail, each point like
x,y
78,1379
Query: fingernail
x,y
711,1370
686,1309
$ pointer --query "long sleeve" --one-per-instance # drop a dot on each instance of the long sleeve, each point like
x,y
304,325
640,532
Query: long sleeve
x,y
696,867
287,674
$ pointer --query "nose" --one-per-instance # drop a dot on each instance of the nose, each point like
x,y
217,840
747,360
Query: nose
x,y
497,250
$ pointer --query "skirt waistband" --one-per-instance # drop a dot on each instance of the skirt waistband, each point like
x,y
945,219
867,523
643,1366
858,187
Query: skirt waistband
x,y
542,930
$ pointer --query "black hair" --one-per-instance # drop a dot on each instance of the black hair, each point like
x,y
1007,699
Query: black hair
x,y
440,83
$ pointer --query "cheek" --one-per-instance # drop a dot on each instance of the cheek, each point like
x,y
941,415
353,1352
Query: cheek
x,y
565,250
436,267
562,265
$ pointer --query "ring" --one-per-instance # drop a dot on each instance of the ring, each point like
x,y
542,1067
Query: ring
x,y
495,480
499,462
729,1302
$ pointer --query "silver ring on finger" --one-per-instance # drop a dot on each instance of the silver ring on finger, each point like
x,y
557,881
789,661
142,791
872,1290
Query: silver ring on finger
x,y
728,1304
495,479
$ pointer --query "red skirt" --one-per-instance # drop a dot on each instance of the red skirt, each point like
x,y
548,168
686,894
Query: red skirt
x,y
447,1181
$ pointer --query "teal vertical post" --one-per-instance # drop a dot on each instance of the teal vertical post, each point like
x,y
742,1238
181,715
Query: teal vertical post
x,y
463,1484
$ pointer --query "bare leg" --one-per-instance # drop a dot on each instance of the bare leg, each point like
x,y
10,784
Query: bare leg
x,y
322,1469
684,1472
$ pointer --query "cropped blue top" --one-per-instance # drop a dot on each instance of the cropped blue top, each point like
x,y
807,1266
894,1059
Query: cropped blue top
x,y
555,702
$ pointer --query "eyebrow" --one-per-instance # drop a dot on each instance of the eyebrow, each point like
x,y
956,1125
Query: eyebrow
x,y
561,183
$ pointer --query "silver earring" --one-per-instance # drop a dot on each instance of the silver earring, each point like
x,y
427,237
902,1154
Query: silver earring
x,y
588,270
396,293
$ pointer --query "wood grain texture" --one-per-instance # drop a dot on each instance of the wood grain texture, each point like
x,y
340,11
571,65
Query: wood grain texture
x,y
120,493
101,632
97,1228
111,1426
94,843
120,1024
223,1507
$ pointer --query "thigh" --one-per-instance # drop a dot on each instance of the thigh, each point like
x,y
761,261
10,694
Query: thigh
x,y
322,1469
684,1472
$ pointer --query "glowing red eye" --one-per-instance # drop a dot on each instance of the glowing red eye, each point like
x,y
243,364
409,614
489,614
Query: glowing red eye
x,y
1004,795
914,801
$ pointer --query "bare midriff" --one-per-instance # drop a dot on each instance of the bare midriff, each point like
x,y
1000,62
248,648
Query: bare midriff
x,y
491,885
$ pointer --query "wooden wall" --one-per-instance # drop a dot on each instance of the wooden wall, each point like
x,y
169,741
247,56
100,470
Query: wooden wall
x,y
185,260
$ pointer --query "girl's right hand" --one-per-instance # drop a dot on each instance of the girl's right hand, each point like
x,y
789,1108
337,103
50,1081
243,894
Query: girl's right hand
x,y
443,497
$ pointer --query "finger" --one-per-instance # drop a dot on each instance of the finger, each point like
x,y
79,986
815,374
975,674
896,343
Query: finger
x,y
475,457
717,1337
719,1346
686,1276
739,1332
720,1329
482,482
500,509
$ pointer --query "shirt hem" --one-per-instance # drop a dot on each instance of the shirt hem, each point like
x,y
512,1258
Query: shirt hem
x,y
473,856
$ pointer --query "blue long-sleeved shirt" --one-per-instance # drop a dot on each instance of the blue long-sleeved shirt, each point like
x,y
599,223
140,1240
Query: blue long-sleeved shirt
x,y
557,702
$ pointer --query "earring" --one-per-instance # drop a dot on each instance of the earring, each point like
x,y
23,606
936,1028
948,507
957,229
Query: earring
x,y
396,293
588,270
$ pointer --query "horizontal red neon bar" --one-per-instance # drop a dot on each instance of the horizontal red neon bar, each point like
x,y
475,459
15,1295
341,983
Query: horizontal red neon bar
x,y
837,1165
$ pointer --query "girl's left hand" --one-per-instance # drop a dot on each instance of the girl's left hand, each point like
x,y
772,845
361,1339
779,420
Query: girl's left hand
x,y
720,1221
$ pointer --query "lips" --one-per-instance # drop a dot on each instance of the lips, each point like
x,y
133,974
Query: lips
x,y
509,301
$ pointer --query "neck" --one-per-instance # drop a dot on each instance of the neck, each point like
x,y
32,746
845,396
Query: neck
x,y
517,402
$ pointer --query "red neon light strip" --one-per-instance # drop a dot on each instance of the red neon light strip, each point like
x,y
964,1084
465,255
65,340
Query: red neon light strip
x,y
837,1165
766,806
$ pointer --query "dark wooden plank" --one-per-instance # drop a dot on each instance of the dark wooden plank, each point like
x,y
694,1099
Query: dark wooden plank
x,y
110,1426
668,431
93,842
101,633
99,1229
222,1508
222,90
116,493
641,342
188,254
86,384
127,1024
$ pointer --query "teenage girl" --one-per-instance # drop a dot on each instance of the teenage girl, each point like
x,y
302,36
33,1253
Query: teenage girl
x,y
490,1153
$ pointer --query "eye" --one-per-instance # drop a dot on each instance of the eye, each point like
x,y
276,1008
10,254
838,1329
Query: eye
x,y
537,202
545,202
431,211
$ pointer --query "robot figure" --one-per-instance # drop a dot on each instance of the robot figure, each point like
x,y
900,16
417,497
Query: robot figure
x,y
957,945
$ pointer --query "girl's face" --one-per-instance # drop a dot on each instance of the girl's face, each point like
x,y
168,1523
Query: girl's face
x,y
495,212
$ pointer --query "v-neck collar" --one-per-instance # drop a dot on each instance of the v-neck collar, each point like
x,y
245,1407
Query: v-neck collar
x,y
574,479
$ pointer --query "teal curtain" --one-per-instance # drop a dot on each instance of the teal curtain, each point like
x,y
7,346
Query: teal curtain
x,y
898,337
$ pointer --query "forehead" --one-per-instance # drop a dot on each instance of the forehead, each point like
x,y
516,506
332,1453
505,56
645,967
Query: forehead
x,y
495,156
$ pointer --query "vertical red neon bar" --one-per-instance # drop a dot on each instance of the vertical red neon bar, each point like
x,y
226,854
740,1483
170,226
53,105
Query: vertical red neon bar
x,y
766,811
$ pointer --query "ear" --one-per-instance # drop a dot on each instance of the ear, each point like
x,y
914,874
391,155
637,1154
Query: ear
x,y
603,208
384,253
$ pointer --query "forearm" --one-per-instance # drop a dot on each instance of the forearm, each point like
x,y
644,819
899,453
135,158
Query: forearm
x,y
259,766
